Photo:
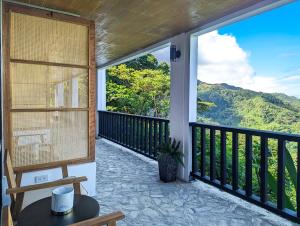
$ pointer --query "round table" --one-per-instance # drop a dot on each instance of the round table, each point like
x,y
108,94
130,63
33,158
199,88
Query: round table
x,y
39,213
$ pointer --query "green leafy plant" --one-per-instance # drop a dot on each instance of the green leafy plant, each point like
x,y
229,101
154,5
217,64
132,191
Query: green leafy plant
x,y
291,169
171,148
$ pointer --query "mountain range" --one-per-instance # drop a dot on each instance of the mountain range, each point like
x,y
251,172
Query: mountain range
x,y
235,106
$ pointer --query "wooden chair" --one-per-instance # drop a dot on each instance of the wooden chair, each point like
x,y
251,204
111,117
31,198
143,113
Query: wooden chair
x,y
16,192
108,219
6,217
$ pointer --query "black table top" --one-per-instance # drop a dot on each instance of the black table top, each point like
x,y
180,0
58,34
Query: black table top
x,y
39,213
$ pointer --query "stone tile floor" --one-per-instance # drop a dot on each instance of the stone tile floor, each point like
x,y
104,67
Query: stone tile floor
x,y
129,182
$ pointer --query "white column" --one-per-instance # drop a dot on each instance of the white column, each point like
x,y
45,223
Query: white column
x,y
101,89
183,98
100,95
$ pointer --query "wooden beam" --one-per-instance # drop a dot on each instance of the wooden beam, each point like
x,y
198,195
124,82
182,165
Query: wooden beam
x,y
18,179
109,219
18,205
51,165
64,170
46,185
77,189
92,91
45,14
6,217
49,63
48,109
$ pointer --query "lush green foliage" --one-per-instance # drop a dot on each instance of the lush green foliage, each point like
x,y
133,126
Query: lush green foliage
x,y
239,107
171,148
140,87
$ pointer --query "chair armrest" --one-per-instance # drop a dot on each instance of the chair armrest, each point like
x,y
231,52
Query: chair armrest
x,y
6,217
64,181
101,220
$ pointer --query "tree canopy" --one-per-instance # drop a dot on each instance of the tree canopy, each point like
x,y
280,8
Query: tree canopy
x,y
140,86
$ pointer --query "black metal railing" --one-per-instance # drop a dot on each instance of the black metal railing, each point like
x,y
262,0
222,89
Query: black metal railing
x,y
138,133
258,166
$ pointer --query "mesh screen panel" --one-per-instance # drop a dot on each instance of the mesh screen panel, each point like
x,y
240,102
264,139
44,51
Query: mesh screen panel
x,y
42,39
49,111
43,137
40,86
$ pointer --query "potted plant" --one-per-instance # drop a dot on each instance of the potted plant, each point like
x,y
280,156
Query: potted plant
x,y
169,156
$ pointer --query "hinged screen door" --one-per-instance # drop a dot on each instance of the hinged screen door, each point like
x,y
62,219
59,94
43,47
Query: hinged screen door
x,y
48,90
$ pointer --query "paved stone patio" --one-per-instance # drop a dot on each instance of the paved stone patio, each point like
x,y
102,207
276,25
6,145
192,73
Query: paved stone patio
x,y
128,182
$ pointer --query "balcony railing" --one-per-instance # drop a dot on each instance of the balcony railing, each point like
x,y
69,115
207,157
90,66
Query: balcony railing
x,y
217,152
258,166
138,133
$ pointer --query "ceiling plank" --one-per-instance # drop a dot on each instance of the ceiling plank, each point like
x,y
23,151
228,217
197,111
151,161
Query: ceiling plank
x,y
126,26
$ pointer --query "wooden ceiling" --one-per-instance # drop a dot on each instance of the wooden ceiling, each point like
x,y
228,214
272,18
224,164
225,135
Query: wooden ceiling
x,y
125,26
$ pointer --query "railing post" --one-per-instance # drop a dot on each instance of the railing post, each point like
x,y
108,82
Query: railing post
x,y
138,133
263,169
223,164
281,174
166,131
150,138
160,129
212,159
235,161
155,138
194,150
146,146
100,131
203,150
248,165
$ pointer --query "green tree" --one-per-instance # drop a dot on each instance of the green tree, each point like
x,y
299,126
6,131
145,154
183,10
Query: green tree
x,y
140,86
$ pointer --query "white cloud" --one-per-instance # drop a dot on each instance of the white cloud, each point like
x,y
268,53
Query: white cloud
x,y
222,60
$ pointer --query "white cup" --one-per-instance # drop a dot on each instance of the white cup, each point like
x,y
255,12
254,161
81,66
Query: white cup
x,y
62,200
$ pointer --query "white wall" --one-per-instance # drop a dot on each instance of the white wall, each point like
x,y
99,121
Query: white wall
x,y
86,169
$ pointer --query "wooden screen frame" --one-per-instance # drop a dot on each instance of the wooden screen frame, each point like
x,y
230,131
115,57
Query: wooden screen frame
x,y
11,7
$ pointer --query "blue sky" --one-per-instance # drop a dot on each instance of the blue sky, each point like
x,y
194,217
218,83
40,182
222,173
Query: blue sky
x,y
272,38
261,53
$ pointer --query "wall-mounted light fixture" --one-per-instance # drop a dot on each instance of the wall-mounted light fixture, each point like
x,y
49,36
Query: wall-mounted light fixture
x,y
174,53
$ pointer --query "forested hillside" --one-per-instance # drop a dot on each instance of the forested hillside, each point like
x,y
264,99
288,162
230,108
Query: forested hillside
x,y
240,107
